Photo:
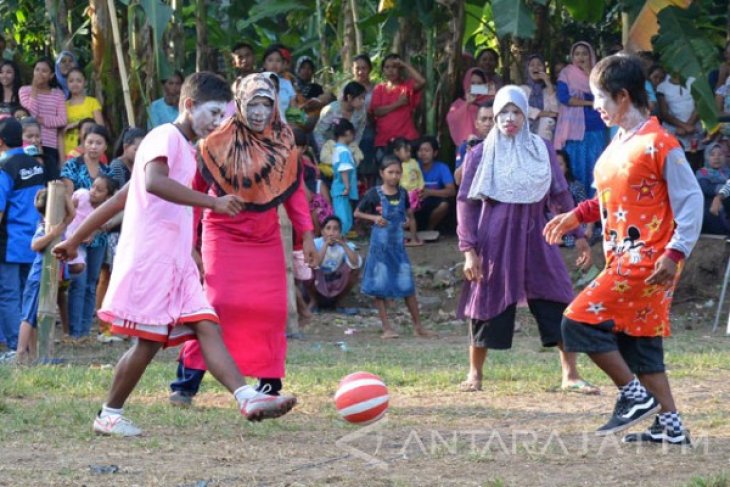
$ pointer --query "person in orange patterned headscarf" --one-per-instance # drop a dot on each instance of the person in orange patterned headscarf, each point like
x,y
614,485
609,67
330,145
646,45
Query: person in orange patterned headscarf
x,y
651,207
252,155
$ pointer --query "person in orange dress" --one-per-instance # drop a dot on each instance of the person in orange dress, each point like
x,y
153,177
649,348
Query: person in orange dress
x,y
651,210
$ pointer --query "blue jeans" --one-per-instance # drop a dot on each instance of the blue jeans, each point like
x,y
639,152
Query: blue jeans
x,y
12,283
82,293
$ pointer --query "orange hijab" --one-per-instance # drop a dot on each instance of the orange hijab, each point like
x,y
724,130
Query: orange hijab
x,y
262,168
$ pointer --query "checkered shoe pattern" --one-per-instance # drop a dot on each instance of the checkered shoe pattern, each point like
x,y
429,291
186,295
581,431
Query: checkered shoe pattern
x,y
634,390
671,421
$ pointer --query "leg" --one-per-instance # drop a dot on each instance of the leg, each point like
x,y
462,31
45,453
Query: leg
x,y
33,344
23,355
62,301
438,214
129,370
412,304
11,291
94,259
76,292
614,365
351,281
388,331
658,385
477,357
104,275
313,295
216,356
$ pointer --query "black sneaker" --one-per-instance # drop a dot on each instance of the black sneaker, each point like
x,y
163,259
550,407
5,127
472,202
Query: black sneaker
x,y
659,434
629,412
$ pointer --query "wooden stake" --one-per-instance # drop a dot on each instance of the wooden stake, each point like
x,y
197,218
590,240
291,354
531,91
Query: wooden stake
x,y
55,213
120,61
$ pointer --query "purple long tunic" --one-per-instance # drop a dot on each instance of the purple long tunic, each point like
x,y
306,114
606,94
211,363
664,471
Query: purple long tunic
x,y
517,263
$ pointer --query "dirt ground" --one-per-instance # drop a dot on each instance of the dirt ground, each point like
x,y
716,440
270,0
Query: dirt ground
x,y
433,437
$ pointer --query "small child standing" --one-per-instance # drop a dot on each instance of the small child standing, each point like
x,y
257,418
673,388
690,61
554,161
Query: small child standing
x,y
155,292
412,180
344,183
387,268
27,335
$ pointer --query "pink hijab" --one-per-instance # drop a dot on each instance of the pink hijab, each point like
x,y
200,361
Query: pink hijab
x,y
571,121
462,115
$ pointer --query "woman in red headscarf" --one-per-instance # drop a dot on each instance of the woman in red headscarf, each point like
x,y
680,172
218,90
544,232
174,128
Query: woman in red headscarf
x,y
252,155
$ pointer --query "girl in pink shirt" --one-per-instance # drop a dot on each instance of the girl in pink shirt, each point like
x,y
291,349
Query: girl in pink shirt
x,y
155,292
47,104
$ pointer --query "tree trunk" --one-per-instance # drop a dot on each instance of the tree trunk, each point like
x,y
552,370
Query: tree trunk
x,y
323,57
348,37
292,317
58,16
202,60
358,32
177,34
446,91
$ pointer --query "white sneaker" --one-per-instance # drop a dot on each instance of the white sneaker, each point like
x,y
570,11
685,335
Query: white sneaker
x,y
264,406
115,425
103,338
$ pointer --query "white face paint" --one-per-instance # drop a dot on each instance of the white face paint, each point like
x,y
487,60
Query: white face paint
x,y
206,117
258,113
510,120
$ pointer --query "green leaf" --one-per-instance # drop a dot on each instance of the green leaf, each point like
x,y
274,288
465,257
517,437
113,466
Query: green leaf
x,y
688,52
269,9
513,17
158,16
585,10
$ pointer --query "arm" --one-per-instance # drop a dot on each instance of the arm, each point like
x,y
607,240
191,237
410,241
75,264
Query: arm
x,y
564,97
27,100
60,119
323,126
386,109
346,181
297,209
159,184
39,244
412,225
353,258
98,118
468,210
418,80
685,198
319,256
665,115
95,220
447,192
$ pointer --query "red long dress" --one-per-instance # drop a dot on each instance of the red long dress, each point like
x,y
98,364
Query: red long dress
x,y
245,282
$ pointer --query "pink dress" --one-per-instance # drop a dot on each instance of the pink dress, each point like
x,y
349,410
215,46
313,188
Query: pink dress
x,y
155,286
245,280
83,210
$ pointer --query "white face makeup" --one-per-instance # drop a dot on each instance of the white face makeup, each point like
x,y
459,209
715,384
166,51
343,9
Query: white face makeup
x,y
510,120
605,106
207,117
258,113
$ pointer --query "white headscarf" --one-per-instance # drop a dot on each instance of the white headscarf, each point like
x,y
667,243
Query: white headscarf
x,y
513,169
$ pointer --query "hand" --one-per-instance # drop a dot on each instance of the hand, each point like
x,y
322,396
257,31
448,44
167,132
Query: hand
x,y
381,222
689,129
585,258
470,97
559,226
230,204
309,250
65,250
472,266
40,119
664,271
716,205
345,191
423,194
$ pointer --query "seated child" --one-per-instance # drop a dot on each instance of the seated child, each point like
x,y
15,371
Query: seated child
x,y
317,192
337,267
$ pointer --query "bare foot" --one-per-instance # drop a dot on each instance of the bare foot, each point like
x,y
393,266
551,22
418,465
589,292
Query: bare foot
x,y
389,334
423,333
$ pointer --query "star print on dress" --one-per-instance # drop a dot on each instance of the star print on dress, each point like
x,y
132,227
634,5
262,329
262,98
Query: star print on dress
x,y
620,214
649,290
621,286
645,189
649,252
651,150
654,224
595,308
643,313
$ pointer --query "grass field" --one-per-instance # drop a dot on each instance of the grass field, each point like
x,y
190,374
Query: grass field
x,y
521,430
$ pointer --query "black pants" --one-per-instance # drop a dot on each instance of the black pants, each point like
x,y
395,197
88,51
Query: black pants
x,y
188,382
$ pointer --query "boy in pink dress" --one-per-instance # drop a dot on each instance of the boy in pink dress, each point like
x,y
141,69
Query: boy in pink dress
x,y
155,292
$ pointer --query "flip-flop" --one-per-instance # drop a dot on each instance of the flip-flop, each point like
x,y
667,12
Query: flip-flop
x,y
470,385
582,387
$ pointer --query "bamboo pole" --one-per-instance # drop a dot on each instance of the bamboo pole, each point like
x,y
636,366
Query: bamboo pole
x,y
292,317
358,32
120,62
55,213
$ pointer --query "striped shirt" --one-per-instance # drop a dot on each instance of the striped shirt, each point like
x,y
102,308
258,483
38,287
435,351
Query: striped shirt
x,y
51,107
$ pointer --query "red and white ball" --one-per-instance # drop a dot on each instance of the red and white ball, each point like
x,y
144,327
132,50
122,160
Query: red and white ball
x,y
361,398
